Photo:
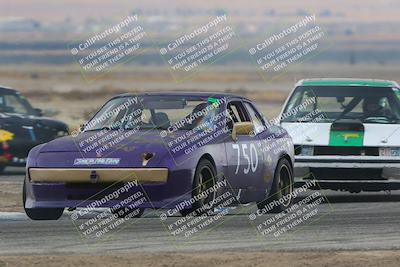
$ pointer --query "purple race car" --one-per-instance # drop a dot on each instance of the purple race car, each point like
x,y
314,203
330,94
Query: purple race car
x,y
176,151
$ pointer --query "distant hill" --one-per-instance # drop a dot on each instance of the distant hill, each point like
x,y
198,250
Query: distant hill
x,y
366,10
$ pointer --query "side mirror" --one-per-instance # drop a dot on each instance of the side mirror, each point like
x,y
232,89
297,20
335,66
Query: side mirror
x,y
242,128
39,112
340,99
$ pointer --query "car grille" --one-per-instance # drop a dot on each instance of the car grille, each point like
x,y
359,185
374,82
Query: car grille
x,y
345,151
89,191
346,174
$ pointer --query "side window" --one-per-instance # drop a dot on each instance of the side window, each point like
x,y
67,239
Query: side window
x,y
294,100
12,103
298,97
307,97
255,118
236,113
394,103
145,116
396,92
385,103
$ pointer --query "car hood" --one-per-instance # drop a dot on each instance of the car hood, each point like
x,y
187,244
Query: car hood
x,y
92,142
126,151
376,135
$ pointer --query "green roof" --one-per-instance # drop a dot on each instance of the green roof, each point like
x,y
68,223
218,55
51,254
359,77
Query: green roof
x,y
347,82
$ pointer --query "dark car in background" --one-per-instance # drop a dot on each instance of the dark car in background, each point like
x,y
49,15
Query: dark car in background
x,y
25,127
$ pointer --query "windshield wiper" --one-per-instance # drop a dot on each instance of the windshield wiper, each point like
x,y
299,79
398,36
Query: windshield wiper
x,y
346,117
100,129
298,120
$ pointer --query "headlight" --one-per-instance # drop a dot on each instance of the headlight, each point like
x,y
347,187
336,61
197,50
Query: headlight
x,y
306,151
62,133
389,151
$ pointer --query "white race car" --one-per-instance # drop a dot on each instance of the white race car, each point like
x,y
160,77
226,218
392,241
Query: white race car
x,y
346,133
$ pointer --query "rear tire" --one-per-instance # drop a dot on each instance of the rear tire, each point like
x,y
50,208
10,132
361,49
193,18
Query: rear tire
x,y
2,168
282,187
204,178
41,214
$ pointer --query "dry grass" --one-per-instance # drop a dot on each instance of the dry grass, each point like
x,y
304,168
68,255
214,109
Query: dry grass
x,y
232,259
11,196
67,94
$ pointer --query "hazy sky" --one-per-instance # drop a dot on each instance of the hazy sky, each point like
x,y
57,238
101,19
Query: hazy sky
x,y
48,10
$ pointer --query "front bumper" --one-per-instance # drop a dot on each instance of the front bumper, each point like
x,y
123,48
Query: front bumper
x,y
98,175
367,173
356,186
56,188
346,162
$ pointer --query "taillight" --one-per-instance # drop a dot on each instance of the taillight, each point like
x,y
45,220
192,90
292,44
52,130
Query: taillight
x,y
5,146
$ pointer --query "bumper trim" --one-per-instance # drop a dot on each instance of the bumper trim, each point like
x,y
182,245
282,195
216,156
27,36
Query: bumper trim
x,y
339,164
367,185
346,162
83,175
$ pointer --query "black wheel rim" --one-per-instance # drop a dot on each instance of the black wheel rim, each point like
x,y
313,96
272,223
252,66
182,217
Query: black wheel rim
x,y
206,180
285,185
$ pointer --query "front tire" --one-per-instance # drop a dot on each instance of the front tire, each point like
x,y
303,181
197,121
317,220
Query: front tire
x,y
204,178
41,214
281,189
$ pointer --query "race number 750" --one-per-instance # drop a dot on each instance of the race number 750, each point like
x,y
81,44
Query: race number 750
x,y
249,154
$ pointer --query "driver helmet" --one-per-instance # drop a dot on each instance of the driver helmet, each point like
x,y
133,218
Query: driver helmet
x,y
372,105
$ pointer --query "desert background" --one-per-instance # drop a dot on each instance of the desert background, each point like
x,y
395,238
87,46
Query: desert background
x,y
362,40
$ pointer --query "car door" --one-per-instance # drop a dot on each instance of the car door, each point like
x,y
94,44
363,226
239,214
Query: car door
x,y
267,135
244,156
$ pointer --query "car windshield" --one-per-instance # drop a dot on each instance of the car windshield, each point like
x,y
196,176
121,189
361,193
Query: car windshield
x,y
154,112
15,103
332,103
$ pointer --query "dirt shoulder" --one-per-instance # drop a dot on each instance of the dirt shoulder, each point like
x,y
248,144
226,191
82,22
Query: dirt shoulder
x,y
11,196
233,259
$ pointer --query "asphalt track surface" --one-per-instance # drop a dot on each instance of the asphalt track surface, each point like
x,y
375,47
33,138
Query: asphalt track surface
x,y
365,221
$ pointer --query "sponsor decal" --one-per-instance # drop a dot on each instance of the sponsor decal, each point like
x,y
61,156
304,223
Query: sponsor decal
x,y
213,100
6,136
346,138
96,161
346,133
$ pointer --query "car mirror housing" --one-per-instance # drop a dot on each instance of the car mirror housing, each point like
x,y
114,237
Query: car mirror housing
x,y
82,127
242,128
39,112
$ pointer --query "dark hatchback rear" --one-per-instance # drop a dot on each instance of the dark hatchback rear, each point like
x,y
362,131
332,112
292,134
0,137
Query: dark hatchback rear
x,y
27,126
